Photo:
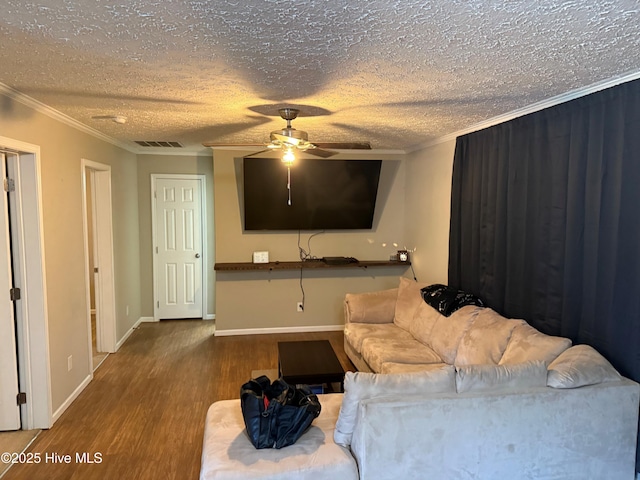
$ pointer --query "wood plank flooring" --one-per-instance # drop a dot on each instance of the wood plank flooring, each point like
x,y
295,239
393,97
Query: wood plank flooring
x,y
144,411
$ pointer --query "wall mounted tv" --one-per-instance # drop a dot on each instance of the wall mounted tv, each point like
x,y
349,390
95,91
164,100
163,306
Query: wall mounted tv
x,y
325,194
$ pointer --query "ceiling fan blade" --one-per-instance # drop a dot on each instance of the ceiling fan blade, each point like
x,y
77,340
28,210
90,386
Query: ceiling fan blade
x,y
213,144
318,152
258,153
344,145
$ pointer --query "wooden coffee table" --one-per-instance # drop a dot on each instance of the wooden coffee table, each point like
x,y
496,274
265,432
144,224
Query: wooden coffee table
x,y
309,362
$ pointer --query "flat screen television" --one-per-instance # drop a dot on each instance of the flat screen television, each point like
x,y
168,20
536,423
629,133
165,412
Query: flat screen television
x,y
325,194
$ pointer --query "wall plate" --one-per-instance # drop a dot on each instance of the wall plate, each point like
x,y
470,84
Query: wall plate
x,y
260,257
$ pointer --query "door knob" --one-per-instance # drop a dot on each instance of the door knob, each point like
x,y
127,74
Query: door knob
x,y
197,255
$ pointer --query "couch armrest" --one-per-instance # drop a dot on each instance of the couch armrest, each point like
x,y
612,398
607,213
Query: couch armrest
x,y
370,307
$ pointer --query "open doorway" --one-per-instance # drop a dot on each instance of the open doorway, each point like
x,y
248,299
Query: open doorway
x,y
24,263
97,351
101,321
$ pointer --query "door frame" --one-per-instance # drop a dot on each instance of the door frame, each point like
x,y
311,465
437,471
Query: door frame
x,y
102,216
203,233
9,278
33,324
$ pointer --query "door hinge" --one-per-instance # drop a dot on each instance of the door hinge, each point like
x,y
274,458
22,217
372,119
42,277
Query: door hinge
x,y
95,269
22,398
14,294
158,303
9,185
156,249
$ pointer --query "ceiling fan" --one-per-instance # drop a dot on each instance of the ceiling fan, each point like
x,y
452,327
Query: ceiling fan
x,y
290,140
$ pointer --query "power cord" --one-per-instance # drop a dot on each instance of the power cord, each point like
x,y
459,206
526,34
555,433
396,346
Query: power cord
x,y
304,256
414,273
302,289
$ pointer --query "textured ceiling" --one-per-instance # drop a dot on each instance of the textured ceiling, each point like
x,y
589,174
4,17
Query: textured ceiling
x,y
395,73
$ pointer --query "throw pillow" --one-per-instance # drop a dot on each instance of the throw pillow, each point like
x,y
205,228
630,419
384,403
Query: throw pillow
x,y
423,322
527,344
371,307
361,386
486,339
579,366
446,333
447,300
498,378
409,299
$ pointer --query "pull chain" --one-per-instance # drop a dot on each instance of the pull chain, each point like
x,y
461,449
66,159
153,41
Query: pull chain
x,y
289,184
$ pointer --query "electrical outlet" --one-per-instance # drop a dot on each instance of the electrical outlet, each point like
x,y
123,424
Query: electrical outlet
x,y
69,363
300,307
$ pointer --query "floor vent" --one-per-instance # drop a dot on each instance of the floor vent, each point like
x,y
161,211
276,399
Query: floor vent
x,y
143,143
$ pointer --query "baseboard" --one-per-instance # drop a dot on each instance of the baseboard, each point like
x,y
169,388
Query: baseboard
x,y
128,334
72,397
209,316
263,331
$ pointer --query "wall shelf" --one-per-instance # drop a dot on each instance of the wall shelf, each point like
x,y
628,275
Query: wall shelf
x,y
310,264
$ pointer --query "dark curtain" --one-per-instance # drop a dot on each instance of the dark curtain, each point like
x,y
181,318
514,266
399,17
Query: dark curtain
x,y
545,221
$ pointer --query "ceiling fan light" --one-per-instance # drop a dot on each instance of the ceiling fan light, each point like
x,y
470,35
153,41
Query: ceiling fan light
x,y
288,157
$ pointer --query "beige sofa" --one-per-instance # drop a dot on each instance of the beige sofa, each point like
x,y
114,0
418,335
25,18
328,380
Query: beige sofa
x,y
395,330
520,404
469,396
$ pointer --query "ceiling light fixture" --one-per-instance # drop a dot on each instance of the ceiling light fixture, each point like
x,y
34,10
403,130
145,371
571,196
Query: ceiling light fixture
x,y
288,157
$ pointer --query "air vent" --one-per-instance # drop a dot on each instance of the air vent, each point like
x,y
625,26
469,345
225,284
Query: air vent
x,y
143,143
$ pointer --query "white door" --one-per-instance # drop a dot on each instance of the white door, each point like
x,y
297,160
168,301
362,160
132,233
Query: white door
x,y
9,409
178,247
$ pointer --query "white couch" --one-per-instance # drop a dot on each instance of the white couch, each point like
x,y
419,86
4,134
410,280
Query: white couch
x,y
463,397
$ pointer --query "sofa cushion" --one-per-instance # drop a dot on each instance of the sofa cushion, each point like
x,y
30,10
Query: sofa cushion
x,y
527,343
377,351
409,299
355,333
394,367
497,378
448,331
361,386
227,453
579,366
423,321
486,339
447,300
371,307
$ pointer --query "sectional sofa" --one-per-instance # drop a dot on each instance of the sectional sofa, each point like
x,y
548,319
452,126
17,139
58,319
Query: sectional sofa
x,y
472,395
511,402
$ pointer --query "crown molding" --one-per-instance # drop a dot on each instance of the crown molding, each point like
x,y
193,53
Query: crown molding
x,y
534,107
59,116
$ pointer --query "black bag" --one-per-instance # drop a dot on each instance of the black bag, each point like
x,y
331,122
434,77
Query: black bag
x,y
276,414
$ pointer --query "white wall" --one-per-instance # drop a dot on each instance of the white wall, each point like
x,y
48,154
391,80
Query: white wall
x,y
62,148
428,210
259,300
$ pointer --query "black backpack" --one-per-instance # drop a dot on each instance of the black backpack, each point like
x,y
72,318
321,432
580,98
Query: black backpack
x,y
276,414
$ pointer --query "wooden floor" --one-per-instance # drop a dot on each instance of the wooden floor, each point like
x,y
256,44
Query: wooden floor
x,y
143,414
